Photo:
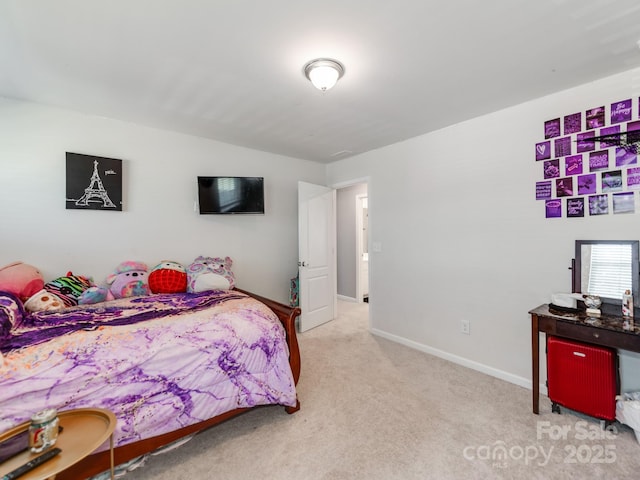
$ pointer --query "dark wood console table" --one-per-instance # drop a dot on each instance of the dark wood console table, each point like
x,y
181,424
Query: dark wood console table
x,y
606,330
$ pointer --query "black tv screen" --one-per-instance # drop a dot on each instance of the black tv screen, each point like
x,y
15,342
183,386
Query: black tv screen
x,y
229,195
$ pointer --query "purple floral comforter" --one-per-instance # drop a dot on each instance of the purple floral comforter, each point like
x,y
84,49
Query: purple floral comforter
x,y
159,363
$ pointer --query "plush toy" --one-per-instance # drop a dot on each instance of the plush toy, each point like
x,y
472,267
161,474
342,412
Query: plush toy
x,y
69,288
168,277
94,295
43,301
207,273
21,279
130,279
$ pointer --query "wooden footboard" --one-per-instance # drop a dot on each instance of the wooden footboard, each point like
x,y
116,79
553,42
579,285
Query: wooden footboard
x,y
287,316
99,462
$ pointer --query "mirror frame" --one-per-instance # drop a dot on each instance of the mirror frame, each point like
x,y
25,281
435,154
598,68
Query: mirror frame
x,y
635,268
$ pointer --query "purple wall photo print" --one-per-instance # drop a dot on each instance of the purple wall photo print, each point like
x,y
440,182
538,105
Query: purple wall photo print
x,y
575,207
573,165
621,111
552,128
624,203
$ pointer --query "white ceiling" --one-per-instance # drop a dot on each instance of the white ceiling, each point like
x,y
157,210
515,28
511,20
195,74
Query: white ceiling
x,y
231,70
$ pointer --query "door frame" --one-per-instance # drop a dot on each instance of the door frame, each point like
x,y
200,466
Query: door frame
x,y
349,183
359,249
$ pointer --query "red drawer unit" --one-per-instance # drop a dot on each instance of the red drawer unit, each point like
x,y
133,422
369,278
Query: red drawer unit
x,y
582,377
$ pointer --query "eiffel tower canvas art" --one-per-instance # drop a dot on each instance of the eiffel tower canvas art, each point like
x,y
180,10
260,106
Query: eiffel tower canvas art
x,y
93,183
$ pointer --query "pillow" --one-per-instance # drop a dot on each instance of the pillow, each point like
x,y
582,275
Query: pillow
x,y
208,273
168,277
130,279
43,301
11,313
93,295
69,288
20,278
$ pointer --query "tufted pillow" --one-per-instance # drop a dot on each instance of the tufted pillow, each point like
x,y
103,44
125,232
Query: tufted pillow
x,y
11,313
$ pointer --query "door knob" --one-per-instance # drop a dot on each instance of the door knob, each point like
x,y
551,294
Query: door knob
x,y
302,264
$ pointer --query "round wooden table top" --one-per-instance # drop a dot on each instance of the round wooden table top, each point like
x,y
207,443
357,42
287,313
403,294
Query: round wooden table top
x,y
83,431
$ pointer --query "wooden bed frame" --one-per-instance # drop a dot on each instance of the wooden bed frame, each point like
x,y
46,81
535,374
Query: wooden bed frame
x,y
99,462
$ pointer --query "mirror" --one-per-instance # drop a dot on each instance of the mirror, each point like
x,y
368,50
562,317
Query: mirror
x,y
607,268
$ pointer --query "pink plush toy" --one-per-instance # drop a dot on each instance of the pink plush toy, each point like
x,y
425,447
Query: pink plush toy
x,y
129,280
21,279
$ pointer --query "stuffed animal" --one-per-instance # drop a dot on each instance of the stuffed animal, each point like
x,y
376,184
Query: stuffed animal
x,y
94,295
207,273
69,288
43,301
130,279
21,279
168,277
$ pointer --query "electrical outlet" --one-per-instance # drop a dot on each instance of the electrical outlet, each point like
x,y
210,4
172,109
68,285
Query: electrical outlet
x,y
465,327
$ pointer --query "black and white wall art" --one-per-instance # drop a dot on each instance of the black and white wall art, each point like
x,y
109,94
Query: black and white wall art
x,y
93,183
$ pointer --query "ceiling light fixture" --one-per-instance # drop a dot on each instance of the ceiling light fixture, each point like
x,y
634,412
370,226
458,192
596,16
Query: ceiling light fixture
x,y
323,73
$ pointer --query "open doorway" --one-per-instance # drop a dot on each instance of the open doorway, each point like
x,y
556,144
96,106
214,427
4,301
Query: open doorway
x,y
352,228
362,245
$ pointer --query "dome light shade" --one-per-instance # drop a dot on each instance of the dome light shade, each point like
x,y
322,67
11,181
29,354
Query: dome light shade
x,y
323,73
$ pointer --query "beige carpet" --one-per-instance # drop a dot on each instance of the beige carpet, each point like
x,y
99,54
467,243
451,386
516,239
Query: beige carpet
x,y
373,409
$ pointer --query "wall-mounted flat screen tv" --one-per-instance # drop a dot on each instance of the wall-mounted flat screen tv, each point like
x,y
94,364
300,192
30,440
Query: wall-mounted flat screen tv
x,y
231,195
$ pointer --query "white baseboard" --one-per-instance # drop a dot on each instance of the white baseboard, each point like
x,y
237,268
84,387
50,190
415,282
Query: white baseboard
x,y
347,299
465,362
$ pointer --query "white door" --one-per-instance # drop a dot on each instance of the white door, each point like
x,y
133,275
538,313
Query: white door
x,y
317,254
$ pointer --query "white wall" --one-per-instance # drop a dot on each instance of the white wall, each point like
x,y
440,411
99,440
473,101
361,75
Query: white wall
x,y
463,237
158,220
454,211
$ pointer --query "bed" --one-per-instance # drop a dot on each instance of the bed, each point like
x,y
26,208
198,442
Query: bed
x,y
167,365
